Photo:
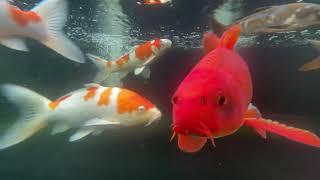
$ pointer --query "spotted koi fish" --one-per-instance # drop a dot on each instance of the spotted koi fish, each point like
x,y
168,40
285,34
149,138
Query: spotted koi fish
x,y
43,23
136,60
154,2
90,110
280,18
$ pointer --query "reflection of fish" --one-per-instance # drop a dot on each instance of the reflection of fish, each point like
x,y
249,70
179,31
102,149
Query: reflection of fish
x,y
154,2
315,63
280,18
43,23
214,100
136,60
89,110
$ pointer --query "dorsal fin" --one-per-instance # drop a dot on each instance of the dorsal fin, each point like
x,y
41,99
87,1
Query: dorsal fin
x,y
230,37
90,85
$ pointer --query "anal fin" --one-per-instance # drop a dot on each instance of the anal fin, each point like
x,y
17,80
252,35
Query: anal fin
x,y
59,128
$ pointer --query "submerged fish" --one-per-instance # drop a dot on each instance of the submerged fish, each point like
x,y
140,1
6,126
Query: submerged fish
x,y
89,110
281,18
43,23
136,60
154,2
214,101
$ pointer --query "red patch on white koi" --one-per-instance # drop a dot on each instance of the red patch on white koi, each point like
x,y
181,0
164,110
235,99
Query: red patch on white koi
x,y
91,92
23,18
129,101
124,59
54,104
144,51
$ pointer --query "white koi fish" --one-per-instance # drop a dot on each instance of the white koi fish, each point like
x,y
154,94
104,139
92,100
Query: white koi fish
x,y
89,110
43,23
136,60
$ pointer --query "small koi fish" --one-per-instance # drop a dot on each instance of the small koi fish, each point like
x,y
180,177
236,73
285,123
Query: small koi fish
x,y
154,2
136,60
43,23
89,110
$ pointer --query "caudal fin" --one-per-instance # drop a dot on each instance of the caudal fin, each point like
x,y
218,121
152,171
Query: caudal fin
x,y
299,135
32,117
54,13
103,70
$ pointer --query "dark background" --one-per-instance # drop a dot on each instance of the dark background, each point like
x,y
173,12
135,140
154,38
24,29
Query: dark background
x,y
280,91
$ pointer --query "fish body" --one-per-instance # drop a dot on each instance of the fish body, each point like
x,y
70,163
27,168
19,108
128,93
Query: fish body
x,y
214,100
280,18
136,60
89,110
43,23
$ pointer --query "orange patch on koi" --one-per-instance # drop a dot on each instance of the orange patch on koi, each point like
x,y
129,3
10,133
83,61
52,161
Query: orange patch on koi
x,y
23,18
91,92
124,59
156,43
144,51
129,101
109,64
54,104
105,97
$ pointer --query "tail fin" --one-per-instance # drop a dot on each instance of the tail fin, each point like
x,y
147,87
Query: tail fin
x,y
54,13
299,135
230,37
102,65
33,114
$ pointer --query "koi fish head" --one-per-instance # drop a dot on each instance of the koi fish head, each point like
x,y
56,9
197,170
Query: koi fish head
x,y
160,46
136,108
209,107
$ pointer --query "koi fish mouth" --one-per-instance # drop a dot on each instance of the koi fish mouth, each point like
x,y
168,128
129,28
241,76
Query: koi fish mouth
x,y
156,116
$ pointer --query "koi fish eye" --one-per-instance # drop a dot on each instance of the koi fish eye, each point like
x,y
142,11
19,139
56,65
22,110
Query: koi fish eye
x,y
175,100
221,100
141,108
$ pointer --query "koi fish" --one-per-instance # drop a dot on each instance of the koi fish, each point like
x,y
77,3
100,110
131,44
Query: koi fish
x,y
136,60
214,100
90,110
154,2
281,18
43,23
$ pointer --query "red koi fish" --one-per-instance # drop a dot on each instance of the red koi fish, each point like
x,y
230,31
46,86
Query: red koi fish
x,y
43,23
154,2
214,100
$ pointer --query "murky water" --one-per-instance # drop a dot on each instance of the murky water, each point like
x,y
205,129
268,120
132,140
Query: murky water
x,y
110,28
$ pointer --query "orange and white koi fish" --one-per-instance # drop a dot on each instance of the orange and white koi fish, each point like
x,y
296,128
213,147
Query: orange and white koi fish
x,y
90,110
136,60
43,23
154,2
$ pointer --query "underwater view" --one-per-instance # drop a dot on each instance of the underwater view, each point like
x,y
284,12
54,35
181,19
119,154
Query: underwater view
x,y
161,89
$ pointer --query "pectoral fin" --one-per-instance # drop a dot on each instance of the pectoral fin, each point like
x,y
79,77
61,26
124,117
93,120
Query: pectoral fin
x,y
139,70
100,122
311,65
81,133
191,144
14,43
299,135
